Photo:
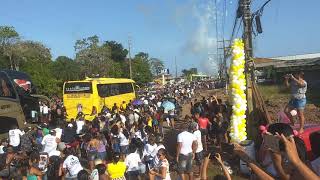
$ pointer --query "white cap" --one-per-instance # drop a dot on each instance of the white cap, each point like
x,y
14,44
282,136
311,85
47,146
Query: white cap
x,y
293,112
70,125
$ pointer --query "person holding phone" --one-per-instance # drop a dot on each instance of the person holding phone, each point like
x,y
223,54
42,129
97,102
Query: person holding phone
x,y
162,172
224,169
298,100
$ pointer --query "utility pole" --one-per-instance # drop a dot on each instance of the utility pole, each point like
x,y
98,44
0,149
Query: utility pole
x,y
218,59
247,24
129,52
175,62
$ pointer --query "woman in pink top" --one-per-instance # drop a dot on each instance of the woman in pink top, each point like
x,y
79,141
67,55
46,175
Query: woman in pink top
x,y
203,123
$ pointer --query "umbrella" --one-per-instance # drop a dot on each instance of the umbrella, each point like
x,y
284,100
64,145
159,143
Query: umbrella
x,y
168,106
137,102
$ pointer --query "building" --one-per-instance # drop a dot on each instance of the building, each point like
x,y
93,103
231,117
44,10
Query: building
x,y
274,69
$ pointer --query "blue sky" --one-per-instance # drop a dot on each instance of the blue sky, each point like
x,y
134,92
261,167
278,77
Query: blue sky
x,y
162,28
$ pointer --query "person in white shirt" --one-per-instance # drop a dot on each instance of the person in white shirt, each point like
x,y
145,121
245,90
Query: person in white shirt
x,y
50,142
14,137
133,162
156,160
148,149
71,166
186,148
124,141
80,123
58,131
161,172
199,152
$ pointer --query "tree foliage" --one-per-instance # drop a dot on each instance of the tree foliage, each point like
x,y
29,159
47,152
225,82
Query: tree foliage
x,y
156,66
188,72
141,68
107,59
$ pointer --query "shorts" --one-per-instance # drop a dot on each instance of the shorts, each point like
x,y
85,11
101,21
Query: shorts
x,y
102,155
185,163
116,148
298,103
133,175
124,149
204,132
199,158
92,155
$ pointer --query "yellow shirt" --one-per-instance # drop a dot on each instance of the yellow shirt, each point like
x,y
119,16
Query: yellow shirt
x,y
116,170
150,122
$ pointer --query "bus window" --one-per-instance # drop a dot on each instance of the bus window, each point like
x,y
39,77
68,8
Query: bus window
x,y
126,88
78,87
103,90
107,90
6,88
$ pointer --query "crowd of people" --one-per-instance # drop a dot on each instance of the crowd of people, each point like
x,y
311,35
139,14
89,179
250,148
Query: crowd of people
x,y
126,141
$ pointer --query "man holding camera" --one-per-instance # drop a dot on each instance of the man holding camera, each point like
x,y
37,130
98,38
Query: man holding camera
x,y
298,96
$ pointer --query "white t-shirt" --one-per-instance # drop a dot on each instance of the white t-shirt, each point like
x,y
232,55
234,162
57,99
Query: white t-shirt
x,y
50,143
1,149
58,132
14,137
148,149
136,117
73,166
123,139
79,126
132,162
131,118
316,165
186,139
123,118
159,104
45,109
156,160
197,134
94,175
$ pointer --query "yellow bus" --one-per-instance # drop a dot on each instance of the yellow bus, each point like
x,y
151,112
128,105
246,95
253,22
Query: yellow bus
x,y
92,94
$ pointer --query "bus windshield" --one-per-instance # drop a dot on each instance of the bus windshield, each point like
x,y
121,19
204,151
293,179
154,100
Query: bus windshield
x,y
78,87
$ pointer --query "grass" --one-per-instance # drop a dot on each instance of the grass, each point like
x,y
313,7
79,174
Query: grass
x,y
273,92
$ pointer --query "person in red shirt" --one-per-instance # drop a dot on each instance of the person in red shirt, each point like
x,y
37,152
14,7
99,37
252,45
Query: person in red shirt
x,y
204,123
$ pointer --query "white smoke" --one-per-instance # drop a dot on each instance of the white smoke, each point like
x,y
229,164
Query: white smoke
x,y
202,41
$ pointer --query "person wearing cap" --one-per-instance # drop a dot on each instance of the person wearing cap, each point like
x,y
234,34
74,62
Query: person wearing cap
x,y
186,149
69,134
50,142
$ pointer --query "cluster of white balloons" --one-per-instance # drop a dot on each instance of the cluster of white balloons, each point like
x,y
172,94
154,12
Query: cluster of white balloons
x,y
238,97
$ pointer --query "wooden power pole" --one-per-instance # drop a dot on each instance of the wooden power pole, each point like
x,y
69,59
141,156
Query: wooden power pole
x,y
129,53
247,24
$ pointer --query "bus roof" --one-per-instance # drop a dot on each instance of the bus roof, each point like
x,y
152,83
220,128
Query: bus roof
x,y
105,80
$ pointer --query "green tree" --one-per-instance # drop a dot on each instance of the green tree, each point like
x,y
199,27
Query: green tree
x,y
156,66
141,68
188,72
93,58
65,69
118,53
8,38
